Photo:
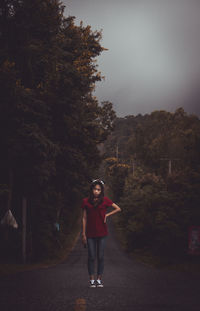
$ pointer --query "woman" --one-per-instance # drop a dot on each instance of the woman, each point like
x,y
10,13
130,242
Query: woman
x,y
94,228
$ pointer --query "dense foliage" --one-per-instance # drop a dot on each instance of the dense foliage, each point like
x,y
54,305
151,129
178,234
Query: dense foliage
x,y
159,189
51,124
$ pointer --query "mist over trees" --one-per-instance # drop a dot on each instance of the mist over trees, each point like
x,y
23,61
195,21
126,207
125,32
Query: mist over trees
x,y
153,168
51,124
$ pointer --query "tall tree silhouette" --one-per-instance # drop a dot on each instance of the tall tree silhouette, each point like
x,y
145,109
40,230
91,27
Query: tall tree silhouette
x,y
51,123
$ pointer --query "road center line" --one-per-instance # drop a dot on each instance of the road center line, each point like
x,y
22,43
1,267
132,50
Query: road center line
x,y
80,304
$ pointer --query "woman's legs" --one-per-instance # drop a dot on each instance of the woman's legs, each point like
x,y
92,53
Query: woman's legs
x,y
96,245
91,242
101,242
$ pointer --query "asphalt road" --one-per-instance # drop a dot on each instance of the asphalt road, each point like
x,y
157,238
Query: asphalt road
x,y
128,286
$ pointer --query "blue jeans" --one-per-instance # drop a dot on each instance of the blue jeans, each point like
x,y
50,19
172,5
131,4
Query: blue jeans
x,y
96,245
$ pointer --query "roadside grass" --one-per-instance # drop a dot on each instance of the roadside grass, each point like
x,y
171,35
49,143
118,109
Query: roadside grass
x,y
70,242
189,263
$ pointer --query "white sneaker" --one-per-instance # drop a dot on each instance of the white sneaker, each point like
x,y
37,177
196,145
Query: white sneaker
x,y
92,283
99,283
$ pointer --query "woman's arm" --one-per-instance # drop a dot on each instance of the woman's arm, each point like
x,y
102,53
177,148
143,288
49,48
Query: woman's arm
x,y
84,221
116,210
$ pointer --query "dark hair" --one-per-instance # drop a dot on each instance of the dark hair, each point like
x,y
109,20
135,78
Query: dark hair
x,y
91,195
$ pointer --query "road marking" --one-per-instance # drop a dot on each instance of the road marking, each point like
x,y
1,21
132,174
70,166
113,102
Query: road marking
x,y
80,304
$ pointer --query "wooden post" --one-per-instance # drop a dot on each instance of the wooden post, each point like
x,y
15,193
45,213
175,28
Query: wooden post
x,y
24,208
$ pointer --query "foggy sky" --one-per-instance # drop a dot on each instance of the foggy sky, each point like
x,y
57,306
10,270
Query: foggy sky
x,y
153,61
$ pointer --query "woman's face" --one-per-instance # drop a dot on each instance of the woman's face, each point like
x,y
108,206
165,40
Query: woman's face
x,y
96,191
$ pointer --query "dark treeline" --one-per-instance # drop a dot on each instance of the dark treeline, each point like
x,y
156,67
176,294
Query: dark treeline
x,y
153,167
51,124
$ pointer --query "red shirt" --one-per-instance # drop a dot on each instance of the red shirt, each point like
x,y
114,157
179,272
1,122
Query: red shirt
x,y
95,226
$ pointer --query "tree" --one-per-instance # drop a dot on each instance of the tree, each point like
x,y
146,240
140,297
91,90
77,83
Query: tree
x,y
51,123
158,207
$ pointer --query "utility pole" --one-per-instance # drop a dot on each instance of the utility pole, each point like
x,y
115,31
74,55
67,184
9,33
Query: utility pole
x,y
133,162
117,152
169,164
24,210
9,199
10,188
170,167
